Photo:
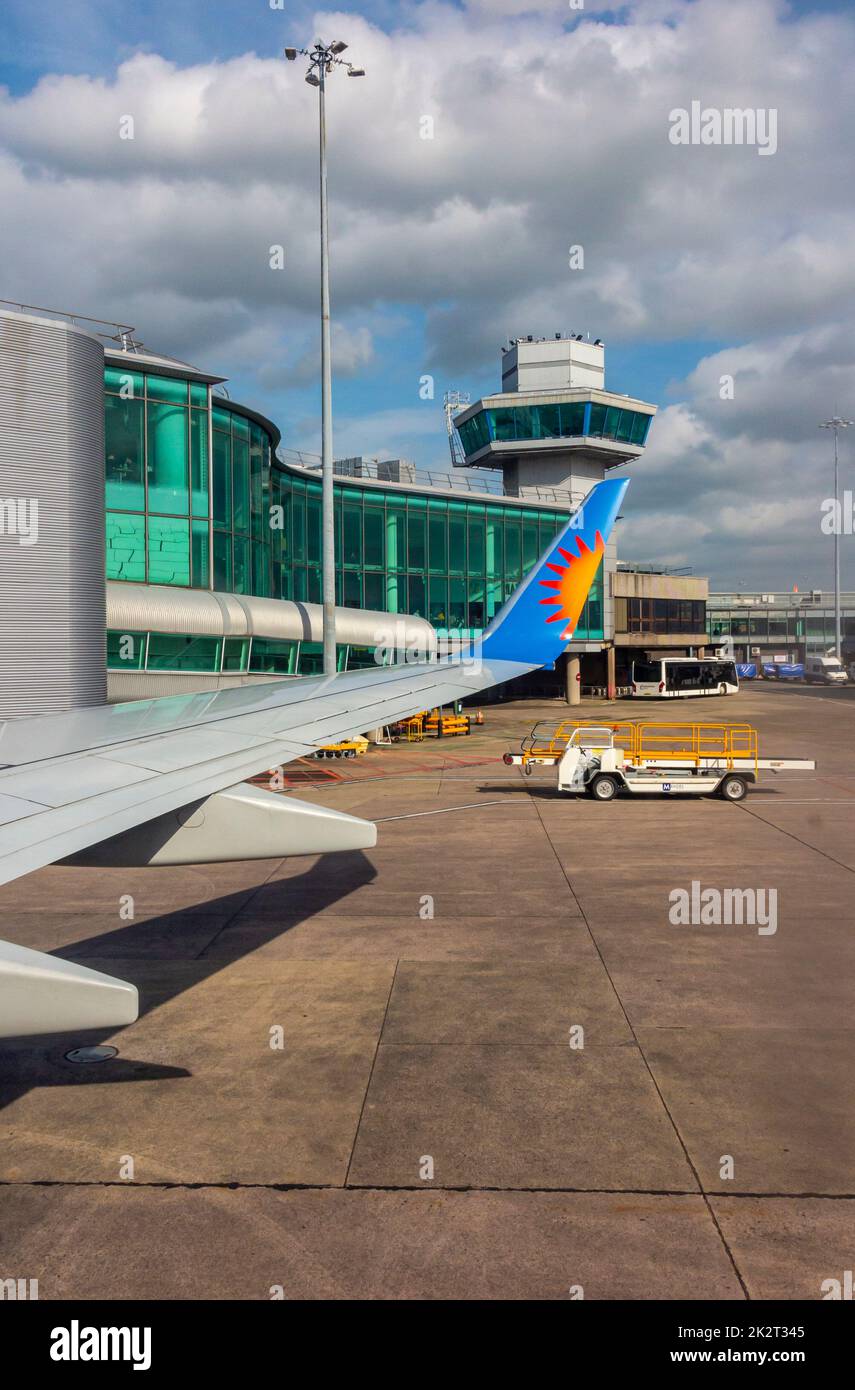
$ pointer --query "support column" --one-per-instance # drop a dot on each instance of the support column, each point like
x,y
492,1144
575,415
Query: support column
x,y
573,680
611,686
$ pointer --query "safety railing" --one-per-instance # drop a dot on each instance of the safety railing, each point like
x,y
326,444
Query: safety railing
x,y
644,741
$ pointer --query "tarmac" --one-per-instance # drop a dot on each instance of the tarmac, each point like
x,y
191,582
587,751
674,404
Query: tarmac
x,y
478,1061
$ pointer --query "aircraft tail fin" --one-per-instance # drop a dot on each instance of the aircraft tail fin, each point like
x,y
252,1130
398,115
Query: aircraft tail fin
x,y
540,617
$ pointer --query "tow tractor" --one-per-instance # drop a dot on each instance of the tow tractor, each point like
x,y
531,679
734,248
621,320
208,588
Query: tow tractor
x,y
650,758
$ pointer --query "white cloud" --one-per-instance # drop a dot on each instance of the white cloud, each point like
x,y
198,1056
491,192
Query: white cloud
x,y
544,136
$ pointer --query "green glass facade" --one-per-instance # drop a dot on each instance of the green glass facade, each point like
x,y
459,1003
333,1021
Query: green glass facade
x,y
558,420
197,498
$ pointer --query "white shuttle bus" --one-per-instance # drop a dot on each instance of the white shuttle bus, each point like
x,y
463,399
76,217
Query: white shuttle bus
x,y
672,676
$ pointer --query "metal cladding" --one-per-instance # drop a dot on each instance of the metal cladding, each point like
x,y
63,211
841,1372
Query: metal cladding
x,y
52,603
139,607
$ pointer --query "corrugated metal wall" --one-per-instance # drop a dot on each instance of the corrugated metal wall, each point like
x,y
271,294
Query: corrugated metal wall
x,y
52,603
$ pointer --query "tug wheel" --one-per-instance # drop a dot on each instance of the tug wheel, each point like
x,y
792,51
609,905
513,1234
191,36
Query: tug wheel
x,y
604,788
733,789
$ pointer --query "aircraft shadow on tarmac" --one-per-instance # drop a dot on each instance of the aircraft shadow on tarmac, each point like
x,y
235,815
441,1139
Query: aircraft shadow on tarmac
x,y
284,904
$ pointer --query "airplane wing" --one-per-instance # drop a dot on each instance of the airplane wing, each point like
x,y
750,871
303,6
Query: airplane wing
x,y
159,781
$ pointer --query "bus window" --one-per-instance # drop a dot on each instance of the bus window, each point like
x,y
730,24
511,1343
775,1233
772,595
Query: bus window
x,y
644,672
682,675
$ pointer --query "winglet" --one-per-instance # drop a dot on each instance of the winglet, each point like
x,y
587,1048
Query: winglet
x,y
540,617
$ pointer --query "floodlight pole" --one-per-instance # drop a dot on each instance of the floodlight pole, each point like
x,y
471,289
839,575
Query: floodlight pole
x,y
328,496
322,58
836,424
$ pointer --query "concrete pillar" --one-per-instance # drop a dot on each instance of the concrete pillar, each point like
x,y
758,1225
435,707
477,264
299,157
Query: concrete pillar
x,y
611,686
573,680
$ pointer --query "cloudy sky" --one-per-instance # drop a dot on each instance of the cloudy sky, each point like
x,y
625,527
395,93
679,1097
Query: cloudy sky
x,y
550,129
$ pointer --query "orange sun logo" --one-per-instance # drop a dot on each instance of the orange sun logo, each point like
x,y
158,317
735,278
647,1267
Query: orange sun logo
x,y
575,579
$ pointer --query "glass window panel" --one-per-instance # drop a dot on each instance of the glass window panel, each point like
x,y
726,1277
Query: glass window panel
x,y
624,428
222,419
314,586
256,475
240,426
502,424
456,603
469,437
166,388
361,658
240,573
352,534
476,545
199,554
513,550
311,659
495,591
456,543
416,604
168,489
572,417
169,651
476,603
299,529
125,651
124,439
301,584
314,524
374,526
128,385
222,561
168,550
495,548
438,601
240,482
199,461
530,544
526,421
416,542
222,467
374,589
236,654
198,394
352,589
260,578
546,421
437,542
610,428
598,419
271,656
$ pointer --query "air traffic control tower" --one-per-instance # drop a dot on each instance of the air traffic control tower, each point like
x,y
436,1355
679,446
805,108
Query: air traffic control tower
x,y
553,424
555,429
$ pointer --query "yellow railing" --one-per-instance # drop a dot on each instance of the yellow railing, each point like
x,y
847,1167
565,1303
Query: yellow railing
x,y
642,740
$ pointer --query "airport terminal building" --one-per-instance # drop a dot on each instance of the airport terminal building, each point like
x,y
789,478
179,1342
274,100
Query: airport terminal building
x,y
782,626
210,534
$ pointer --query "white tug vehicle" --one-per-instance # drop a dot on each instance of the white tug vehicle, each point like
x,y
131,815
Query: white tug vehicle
x,y
646,759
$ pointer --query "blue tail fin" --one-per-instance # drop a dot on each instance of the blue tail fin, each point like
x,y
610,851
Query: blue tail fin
x,y
540,617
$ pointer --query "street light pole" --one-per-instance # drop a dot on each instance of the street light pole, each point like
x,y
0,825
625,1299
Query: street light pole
x,y
836,424
322,58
